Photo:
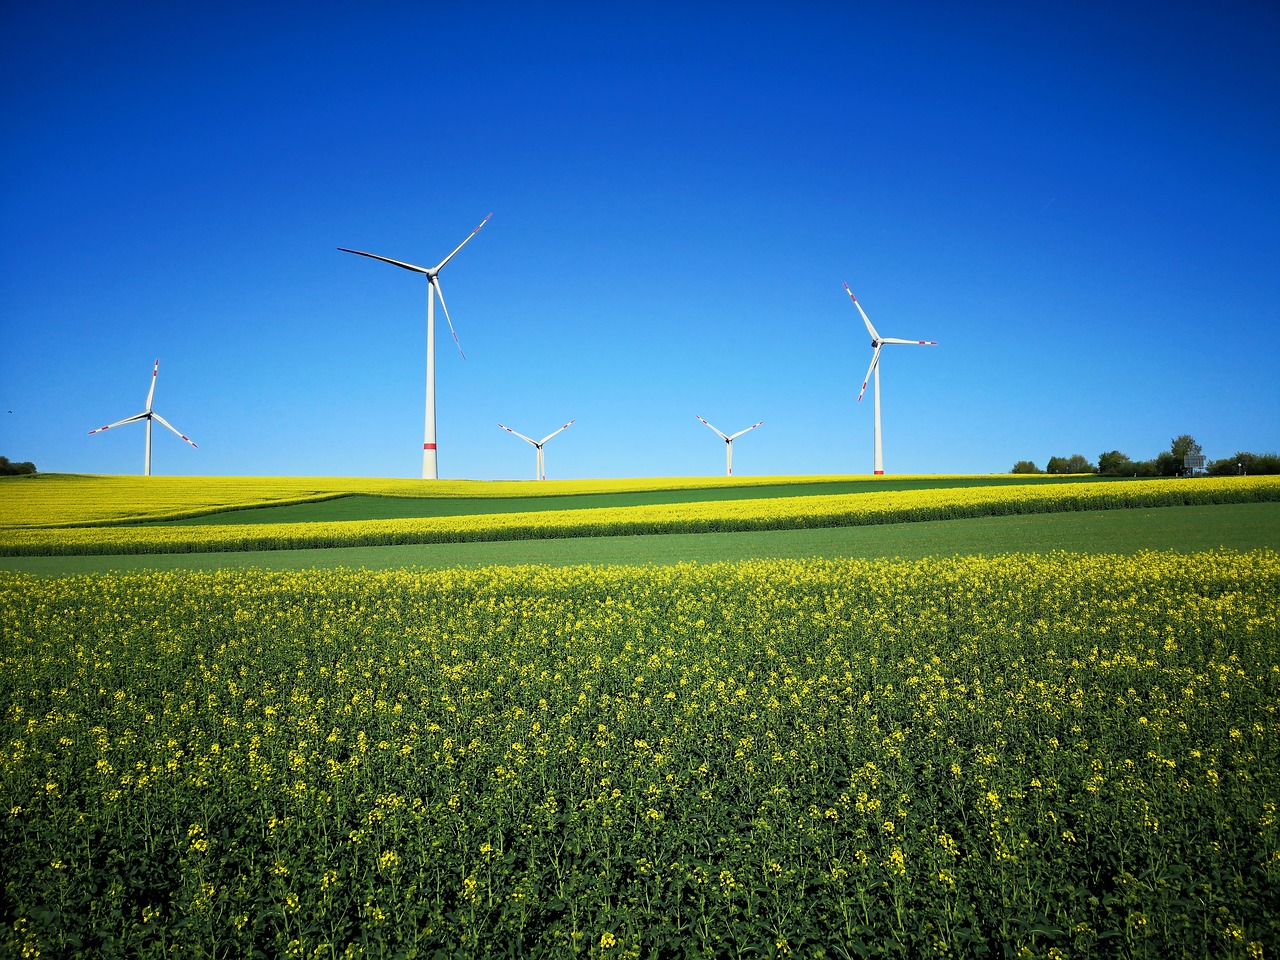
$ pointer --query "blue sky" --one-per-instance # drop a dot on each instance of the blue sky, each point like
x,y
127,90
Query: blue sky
x,y
1079,201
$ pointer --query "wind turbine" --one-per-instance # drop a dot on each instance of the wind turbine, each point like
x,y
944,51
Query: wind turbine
x,y
728,444
148,415
877,342
429,467
538,444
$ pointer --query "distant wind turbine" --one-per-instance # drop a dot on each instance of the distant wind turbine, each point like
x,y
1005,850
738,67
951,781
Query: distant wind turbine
x,y
728,444
538,445
877,342
430,470
148,415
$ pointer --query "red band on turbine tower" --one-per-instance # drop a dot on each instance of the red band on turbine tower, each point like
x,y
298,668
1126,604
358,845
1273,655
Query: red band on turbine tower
x,y
428,446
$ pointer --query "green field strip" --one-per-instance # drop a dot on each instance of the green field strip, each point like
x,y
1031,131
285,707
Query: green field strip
x,y
375,507
1240,526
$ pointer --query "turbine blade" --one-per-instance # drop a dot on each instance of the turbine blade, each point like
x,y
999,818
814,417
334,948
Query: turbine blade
x,y
154,373
440,265
911,343
440,293
875,358
550,435
398,263
718,433
865,318
520,435
747,430
174,429
136,417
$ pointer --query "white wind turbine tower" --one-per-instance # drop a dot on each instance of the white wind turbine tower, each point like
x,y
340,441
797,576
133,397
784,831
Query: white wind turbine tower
x,y
538,445
728,444
148,415
430,470
877,342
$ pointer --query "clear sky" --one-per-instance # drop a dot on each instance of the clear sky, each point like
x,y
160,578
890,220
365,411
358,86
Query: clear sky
x,y
1079,201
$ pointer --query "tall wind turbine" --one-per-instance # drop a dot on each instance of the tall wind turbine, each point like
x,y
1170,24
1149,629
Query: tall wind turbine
x,y
728,444
538,445
429,466
877,342
148,415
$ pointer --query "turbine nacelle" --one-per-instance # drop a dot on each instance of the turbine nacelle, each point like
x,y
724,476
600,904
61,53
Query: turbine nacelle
x,y
728,439
429,272
540,457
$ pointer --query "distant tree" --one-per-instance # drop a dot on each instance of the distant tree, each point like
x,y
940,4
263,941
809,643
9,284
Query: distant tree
x,y
1115,464
1268,463
1076,463
1167,465
1144,468
1244,463
1025,466
1239,465
1181,447
1184,444
8,469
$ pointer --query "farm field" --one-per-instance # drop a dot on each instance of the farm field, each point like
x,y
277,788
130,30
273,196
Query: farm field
x,y
101,533
1243,526
1068,755
368,507
67,500
1049,729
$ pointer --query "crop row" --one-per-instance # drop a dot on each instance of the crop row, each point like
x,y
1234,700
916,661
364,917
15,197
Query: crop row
x,y
779,513
1025,756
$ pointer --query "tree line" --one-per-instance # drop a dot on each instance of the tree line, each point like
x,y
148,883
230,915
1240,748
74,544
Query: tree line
x,y
8,469
1170,463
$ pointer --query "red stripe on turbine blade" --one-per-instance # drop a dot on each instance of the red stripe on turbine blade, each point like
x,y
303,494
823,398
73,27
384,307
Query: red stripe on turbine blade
x,y
428,446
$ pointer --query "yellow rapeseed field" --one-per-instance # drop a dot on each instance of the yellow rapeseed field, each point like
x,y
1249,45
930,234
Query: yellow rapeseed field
x,y
1043,756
